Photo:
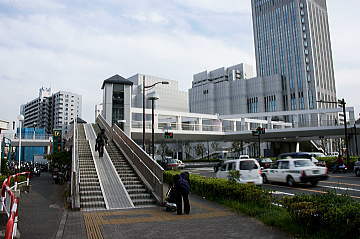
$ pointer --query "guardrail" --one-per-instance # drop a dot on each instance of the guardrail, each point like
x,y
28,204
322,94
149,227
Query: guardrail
x,y
10,204
75,175
149,171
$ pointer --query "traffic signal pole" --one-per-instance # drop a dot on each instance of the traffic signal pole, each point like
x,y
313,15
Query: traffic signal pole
x,y
342,102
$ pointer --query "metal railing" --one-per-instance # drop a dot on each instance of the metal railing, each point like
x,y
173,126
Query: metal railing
x,y
28,136
75,175
249,126
9,204
148,170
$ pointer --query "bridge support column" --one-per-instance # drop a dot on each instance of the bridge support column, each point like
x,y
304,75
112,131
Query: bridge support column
x,y
200,124
297,147
234,126
178,122
156,122
244,125
351,117
269,123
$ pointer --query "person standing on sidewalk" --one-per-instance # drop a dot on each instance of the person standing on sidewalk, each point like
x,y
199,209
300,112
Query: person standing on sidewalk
x,y
182,187
101,140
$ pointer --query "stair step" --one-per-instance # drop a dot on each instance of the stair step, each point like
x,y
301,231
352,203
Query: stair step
x,y
134,186
90,188
136,190
91,193
91,199
142,202
82,183
140,196
92,205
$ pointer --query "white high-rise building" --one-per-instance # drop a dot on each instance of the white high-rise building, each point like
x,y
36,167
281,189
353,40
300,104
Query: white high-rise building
x,y
66,107
51,111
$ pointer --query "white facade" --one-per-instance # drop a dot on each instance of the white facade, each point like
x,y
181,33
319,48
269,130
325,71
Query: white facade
x,y
227,91
52,111
170,97
67,106
98,110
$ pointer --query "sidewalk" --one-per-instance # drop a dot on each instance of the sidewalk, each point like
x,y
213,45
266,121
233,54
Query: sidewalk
x,y
206,219
40,211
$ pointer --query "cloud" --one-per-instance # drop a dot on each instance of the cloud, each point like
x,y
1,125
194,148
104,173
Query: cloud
x,y
75,45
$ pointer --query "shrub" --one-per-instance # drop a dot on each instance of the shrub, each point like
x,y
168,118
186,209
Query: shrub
x,y
222,189
338,214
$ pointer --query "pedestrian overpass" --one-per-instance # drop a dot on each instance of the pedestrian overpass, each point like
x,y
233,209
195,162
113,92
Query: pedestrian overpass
x,y
204,127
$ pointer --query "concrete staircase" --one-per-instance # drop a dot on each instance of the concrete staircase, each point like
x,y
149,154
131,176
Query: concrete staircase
x,y
132,182
91,197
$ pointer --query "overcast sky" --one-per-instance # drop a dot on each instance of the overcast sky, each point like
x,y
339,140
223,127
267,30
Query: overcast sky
x,y
74,45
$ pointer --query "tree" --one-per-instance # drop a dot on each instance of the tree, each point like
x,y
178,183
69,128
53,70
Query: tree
x,y
188,149
163,150
238,146
200,150
215,146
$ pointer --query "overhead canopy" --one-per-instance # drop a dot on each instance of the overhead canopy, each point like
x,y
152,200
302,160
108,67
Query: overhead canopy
x,y
116,79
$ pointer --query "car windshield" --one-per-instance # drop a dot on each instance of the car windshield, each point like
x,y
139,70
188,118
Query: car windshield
x,y
303,163
248,165
266,161
171,161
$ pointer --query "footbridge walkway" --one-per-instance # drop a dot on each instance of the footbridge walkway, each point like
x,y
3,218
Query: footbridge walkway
x,y
125,177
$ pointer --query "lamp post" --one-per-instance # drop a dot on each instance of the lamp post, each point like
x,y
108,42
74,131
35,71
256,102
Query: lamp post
x,y
341,103
356,143
34,130
21,119
144,88
153,98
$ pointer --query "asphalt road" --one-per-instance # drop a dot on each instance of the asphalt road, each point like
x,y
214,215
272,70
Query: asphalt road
x,y
341,183
41,209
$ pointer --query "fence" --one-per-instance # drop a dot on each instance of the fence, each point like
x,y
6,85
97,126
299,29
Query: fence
x,y
9,204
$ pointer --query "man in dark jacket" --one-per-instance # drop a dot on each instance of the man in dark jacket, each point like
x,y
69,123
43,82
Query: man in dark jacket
x,y
101,140
182,186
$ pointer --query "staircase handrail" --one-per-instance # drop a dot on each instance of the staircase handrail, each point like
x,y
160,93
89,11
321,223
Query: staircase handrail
x,y
75,175
149,171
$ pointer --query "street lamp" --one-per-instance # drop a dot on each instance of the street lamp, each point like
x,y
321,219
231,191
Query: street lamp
x,y
21,119
144,88
153,98
341,103
34,129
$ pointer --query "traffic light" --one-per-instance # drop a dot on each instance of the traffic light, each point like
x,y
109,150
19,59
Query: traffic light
x,y
260,130
168,135
57,141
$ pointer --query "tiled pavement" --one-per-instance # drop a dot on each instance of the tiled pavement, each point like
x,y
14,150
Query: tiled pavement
x,y
207,219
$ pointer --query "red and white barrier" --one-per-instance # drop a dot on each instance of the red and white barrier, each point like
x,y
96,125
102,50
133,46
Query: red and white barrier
x,y
12,211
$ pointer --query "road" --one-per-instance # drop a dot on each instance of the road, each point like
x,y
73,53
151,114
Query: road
x,y
341,183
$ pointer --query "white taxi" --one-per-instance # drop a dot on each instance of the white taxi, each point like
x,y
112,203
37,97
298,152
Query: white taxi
x,y
249,170
292,171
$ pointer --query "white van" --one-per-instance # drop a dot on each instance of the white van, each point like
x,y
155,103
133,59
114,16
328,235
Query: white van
x,y
249,170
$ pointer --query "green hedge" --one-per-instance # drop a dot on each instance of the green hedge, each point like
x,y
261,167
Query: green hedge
x,y
222,189
325,215
336,214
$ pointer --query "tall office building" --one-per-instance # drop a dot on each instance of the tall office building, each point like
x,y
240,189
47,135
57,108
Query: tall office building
x,y
292,39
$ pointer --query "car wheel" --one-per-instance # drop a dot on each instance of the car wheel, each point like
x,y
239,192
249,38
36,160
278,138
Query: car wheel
x,y
265,179
357,172
290,181
314,183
